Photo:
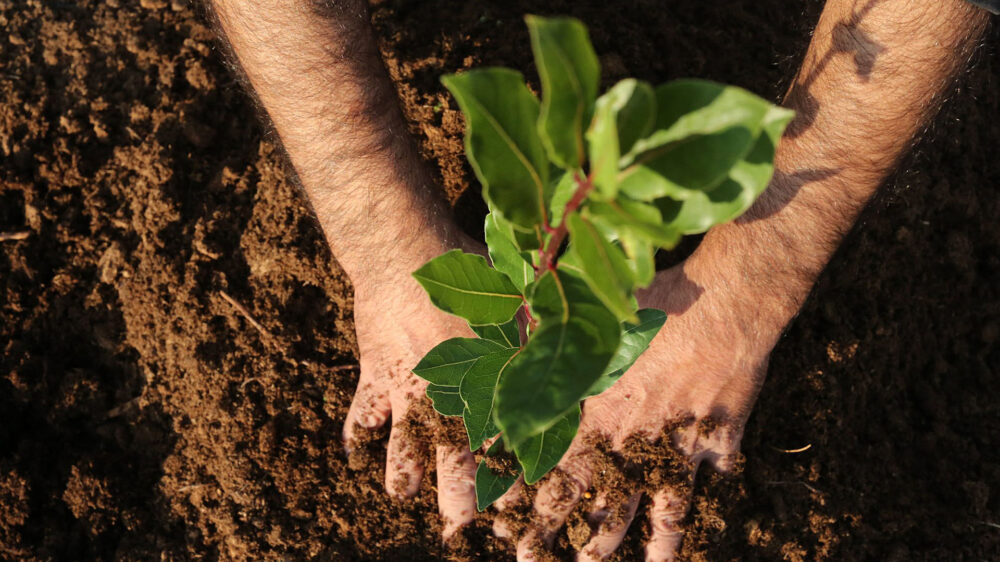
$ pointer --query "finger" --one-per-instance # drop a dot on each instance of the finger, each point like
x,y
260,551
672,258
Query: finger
x,y
510,498
554,501
403,468
668,510
369,410
721,449
456,483
610,528
723,463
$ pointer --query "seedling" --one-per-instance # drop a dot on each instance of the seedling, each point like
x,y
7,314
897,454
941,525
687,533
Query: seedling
x,y
582,191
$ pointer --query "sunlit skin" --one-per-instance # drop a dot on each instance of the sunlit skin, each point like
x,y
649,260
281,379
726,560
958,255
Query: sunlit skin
x,y
873,76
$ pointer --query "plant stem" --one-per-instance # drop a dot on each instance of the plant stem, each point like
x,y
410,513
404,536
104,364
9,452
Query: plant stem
x,y
548,256
532,323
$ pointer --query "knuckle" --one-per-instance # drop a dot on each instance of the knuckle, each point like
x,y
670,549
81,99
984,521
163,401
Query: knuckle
x,y
457,471
560,494
456,490
367,411
666,520
613,527
373,418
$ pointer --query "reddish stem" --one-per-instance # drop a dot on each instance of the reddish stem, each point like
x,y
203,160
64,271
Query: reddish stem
x,y
548,256
532,323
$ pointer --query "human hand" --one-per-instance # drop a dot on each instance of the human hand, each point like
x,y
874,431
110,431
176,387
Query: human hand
x,y
695,385
396,326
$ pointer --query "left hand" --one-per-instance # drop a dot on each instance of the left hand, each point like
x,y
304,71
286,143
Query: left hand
x,y
700,375
396,326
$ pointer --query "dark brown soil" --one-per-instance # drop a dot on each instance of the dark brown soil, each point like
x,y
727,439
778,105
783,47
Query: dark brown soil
x,y
176,347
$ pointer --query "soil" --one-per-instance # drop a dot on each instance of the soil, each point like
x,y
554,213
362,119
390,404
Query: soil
x,y
176,344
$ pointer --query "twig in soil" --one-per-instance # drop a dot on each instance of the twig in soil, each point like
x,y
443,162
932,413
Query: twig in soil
x,y
243,385
19,235
348,367
122,408
784,482
792,451
246,314
201,249
990,524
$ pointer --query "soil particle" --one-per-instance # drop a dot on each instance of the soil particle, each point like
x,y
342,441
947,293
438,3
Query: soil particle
x,y
502,462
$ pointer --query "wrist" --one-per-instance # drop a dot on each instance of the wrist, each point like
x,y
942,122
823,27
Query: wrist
x,y
398,243
768,260
737,279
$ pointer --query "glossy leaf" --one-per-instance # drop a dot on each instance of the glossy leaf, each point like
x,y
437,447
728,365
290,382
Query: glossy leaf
x,y
541,453
478,391
570,73
445,367
692,107
575,339
641,258
702,130
523,238
507,335
642,219
747,180
621,116
637,115
465,285
603,266
448,362
505,255
490,486
564,189
446,399
502,142
635,340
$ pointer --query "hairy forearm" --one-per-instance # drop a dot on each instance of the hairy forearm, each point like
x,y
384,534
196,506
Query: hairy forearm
x,y
315,68
874,74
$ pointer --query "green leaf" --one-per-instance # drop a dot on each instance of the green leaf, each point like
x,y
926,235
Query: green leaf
x,y
639,229
575,339
490,486
747,180
603,266
447,363
624,114
569,71
465,285
522,238
635,340
691,107
641,258
641,219
541,453
502,142
478,390
505,255
561,194
702,130
446,399
507,335
637,115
